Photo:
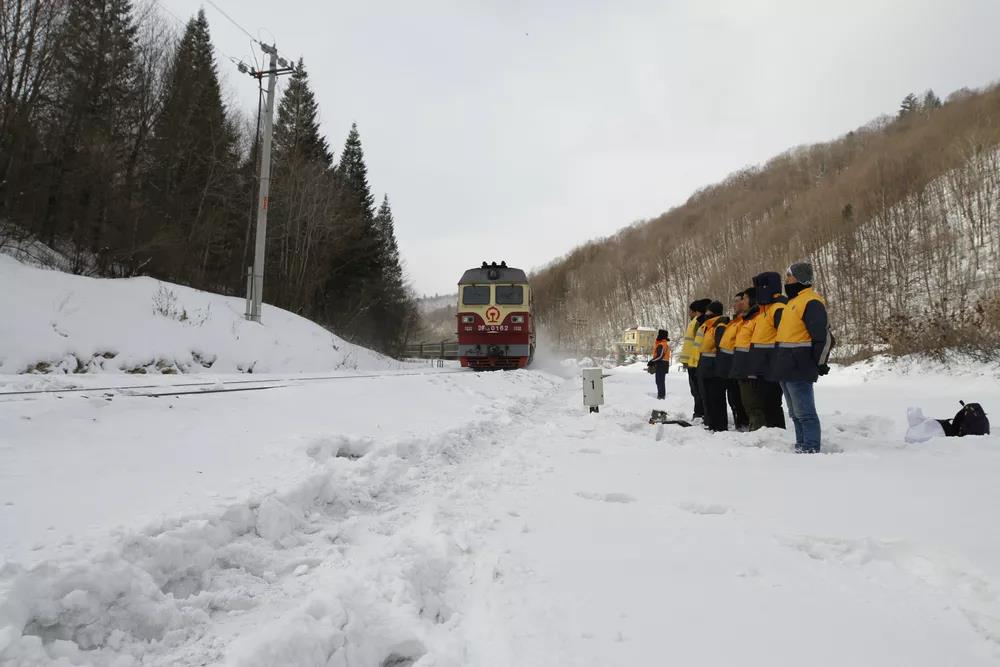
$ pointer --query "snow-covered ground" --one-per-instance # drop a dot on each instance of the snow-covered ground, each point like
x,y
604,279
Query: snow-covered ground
x,y
454,518
57,322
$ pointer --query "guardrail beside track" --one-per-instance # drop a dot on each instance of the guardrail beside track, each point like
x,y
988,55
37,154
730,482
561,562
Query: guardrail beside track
x,y
445,349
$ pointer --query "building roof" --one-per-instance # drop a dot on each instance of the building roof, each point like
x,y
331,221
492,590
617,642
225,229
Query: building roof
x,y
493,273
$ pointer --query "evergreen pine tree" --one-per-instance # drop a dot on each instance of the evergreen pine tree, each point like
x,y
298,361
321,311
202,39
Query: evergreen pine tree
x,y
296,129
353,175
397,314
909,104
193,187
93,100
302,192
354,286
931,101
385,228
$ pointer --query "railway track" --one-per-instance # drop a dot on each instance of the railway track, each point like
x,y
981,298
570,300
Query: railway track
x,y
200,388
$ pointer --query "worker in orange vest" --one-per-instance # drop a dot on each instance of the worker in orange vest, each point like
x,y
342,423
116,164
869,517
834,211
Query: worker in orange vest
x,y
660,362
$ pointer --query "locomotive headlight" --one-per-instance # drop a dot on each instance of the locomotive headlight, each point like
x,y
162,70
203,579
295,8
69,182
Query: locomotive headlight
x,y
468,319
517,319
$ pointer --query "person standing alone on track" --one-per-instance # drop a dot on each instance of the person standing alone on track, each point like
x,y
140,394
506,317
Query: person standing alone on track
x,y
660,363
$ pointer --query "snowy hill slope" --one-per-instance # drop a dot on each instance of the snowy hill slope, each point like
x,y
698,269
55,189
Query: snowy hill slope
x,y
57,322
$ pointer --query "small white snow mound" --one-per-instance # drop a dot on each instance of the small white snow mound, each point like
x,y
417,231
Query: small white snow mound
x,y
922,429
57,322
275,519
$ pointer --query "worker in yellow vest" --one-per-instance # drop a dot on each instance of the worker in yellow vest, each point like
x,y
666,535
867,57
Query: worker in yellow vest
x,y
771,302
750,392
803,345
725,335
689,355
713,387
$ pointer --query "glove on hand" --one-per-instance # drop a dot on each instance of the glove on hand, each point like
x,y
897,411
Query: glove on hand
x,y
824,369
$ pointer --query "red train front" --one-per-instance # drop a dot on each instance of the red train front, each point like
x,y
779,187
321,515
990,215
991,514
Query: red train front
x,y
495,327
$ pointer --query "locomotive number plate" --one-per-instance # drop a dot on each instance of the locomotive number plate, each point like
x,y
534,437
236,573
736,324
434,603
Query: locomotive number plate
x,y
493,328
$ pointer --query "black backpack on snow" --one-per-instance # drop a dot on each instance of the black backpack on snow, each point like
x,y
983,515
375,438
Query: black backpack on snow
x,y
970,420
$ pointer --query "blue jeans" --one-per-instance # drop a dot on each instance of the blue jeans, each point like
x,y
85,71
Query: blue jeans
x,y
802,409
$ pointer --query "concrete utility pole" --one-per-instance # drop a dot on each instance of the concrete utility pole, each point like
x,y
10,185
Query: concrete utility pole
x,y
264,189
255,281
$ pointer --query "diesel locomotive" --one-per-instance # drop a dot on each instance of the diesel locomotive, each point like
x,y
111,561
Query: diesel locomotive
x,y
495,326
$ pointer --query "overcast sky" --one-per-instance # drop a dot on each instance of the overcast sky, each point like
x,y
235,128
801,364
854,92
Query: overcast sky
x,y
519,130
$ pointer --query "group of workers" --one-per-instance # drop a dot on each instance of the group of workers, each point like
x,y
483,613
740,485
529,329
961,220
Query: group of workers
x,y
775,346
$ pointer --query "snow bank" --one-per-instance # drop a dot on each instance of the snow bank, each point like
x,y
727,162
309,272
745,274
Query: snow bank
x,y
463,519
251,529
62,323
952,364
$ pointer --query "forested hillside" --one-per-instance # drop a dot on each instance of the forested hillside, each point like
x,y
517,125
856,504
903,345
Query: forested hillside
x,y
117,147
901,219
437,318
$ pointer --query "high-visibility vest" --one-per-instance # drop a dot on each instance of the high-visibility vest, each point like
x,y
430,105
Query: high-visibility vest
x,y
792,331
707,347
728,342
688,347
764,332
741,367
665,346
696,347
745,333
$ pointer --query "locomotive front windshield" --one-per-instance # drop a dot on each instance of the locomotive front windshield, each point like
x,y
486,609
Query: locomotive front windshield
x,y
510,295
476,295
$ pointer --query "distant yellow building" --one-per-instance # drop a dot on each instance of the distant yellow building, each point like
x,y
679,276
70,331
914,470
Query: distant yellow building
x,y
637,340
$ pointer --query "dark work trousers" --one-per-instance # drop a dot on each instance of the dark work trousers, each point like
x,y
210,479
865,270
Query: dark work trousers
x,y
753,403
701,391
740,417
699,407
661,368
716,415
770,394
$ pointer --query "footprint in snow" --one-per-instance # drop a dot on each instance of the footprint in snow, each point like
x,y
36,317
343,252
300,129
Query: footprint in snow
x,y
703,508
607,497
974,593
588,450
